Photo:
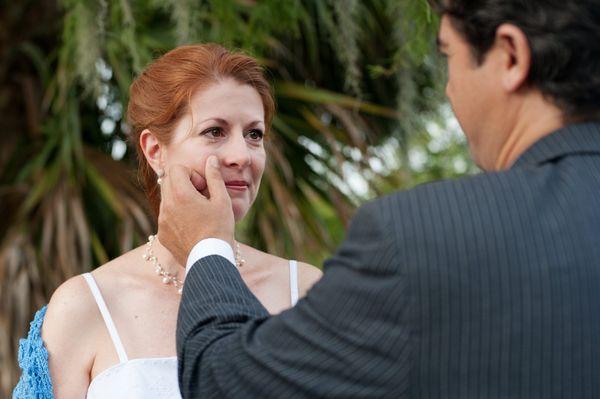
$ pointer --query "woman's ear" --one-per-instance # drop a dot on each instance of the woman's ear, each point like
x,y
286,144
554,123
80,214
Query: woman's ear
x,y
153,150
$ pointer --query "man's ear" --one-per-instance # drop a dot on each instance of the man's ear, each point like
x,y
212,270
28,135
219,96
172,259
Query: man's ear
x,y
153,150
516,56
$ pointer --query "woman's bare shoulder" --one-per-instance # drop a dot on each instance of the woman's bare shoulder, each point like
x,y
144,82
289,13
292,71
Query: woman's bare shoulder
x,y
308,275
69,323
71,301
72,305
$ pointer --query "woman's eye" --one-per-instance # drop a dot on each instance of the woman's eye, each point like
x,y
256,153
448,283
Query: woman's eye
x,y
255,135
213,132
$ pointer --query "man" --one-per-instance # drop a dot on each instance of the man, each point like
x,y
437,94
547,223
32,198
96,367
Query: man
x,y
483,287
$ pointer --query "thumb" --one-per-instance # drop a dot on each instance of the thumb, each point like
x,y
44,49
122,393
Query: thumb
x,y
214,180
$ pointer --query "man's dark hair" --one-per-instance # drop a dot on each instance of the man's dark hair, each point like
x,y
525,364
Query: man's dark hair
x,y
564,37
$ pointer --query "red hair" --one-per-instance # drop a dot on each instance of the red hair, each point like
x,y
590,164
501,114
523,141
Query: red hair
x,y
161,95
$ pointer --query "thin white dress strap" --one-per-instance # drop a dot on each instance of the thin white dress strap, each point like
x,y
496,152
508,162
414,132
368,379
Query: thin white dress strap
x,y
110,325
294,281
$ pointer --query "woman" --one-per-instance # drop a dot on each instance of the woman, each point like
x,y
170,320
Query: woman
x,y
111,333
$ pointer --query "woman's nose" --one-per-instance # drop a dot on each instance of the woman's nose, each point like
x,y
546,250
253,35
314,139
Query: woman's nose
x,y
236,153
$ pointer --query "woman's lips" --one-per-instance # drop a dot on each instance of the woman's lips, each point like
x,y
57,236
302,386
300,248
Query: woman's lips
x,y
237,185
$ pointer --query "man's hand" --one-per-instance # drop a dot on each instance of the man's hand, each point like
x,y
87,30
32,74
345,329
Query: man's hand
x,y
186,216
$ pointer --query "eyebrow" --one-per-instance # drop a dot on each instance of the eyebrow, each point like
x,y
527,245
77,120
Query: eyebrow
x,y
218,120
255,123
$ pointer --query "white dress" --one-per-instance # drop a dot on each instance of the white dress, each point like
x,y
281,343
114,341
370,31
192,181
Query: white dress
x,y
148,378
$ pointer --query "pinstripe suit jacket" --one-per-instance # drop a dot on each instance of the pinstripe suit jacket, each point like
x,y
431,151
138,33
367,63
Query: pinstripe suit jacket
x,y
483,287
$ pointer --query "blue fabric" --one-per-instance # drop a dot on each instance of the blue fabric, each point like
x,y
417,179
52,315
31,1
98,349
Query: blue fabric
x,y
33,359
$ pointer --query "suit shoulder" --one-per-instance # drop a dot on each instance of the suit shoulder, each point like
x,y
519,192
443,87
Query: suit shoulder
x,y
434,194
446,205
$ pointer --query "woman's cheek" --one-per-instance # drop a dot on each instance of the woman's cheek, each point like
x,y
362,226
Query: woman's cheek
x,y
259,160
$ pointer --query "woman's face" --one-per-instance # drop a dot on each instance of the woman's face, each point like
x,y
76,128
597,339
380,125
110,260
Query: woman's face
x,y
227,120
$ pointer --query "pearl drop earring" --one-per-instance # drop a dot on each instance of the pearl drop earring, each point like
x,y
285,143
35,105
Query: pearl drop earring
x,y
160,174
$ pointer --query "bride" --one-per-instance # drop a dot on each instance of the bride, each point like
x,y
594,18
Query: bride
x,y
111,333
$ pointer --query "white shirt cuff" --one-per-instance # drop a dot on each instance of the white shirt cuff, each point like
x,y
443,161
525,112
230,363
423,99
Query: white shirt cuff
x,y
208,247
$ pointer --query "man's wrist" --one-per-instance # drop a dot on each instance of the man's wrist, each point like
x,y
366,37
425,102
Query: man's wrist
x,y
209,247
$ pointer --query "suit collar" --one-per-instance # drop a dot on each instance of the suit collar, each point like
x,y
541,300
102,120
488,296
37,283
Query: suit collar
x,y
581,138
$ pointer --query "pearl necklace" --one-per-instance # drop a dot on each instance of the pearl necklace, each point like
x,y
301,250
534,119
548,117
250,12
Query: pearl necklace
x,y
171,278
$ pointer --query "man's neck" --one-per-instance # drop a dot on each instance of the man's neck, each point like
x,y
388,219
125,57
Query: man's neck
x,y
535,120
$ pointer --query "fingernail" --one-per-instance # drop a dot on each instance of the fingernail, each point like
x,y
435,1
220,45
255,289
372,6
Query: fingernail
x,y
214,162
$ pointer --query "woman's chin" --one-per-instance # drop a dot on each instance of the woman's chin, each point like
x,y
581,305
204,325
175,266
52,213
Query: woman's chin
x,y
239,211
